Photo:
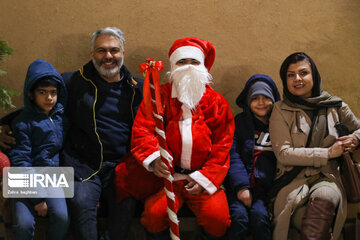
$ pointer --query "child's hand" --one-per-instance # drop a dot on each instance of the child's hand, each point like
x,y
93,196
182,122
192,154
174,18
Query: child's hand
x,y
193,187
245,197
41,209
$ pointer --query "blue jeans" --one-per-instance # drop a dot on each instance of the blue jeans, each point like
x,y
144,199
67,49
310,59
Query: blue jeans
x,y
24,218
256,219
84,205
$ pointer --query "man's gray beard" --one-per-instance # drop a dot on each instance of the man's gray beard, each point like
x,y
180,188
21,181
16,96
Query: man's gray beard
x,y
190,83
108,73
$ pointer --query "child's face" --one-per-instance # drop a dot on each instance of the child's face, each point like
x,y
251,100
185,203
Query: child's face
x,y
45,98
261,106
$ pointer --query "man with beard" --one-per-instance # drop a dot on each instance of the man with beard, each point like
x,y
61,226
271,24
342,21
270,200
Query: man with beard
x,y
103,98
199,130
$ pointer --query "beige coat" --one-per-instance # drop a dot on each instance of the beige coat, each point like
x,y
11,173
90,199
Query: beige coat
x,y
289,130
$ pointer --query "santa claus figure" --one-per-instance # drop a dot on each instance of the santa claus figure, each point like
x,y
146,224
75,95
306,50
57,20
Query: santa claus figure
x,y
199,129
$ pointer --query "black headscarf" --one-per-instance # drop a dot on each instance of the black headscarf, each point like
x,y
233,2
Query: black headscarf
x,y
319,98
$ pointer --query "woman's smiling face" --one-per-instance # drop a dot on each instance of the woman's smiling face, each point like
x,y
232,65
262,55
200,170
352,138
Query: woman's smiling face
x,y
299,79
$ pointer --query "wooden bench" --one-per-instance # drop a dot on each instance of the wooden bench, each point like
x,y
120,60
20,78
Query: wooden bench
x,y
189,229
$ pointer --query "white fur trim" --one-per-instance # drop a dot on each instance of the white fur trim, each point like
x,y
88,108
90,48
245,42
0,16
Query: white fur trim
x,y
203,181
186,137
150,159
186,52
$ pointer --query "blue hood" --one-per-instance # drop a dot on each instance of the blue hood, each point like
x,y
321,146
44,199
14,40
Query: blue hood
x,y
241,99
40,69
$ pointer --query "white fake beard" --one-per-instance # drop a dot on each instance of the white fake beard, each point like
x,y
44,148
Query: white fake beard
x,y
108,73
190,83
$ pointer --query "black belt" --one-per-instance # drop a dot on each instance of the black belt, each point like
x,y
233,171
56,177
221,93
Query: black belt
x,y
182,170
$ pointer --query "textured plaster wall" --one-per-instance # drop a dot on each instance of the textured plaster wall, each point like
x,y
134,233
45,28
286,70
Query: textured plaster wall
x,y
250,37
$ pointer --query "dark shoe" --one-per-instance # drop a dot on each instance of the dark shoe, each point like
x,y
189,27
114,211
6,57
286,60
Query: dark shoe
x,y
164,235
317,220
207,236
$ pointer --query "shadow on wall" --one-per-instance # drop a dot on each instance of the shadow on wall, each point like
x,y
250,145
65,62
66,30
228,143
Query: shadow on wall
x,y
237,75
72,52
139,55
223,84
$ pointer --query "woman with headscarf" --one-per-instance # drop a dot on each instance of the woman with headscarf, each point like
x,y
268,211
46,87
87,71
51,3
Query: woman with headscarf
x,y
304,137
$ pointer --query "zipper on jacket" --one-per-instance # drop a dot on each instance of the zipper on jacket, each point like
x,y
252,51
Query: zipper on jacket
x,y
57,137
132,100
95,127
131,106
56,133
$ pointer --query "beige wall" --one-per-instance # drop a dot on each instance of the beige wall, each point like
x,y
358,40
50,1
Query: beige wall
x,y
251,36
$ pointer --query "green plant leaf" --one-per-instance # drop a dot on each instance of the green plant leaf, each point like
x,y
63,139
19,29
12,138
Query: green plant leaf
x,y
5,93
5,98
5,49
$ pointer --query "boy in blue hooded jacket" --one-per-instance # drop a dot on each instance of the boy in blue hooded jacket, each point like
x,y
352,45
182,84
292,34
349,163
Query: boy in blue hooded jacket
x,y
39,133
252,161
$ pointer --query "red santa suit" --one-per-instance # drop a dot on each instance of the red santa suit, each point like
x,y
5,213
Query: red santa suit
x,y
199,141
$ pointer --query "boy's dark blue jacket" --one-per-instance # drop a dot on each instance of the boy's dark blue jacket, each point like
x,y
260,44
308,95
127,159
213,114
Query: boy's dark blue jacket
x,y
242,151
83,147
39,137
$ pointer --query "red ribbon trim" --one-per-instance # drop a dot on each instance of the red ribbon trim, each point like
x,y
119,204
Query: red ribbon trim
x,y
150,69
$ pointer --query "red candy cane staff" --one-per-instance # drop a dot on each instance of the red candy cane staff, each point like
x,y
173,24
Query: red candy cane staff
x,y
154,109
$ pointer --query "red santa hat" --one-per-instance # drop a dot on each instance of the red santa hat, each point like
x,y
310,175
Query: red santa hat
x,y
194,48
